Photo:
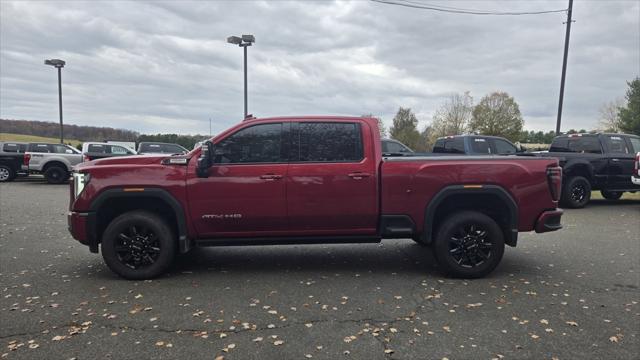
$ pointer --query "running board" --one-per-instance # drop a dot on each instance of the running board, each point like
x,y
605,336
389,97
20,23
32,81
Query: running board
x,y
287,240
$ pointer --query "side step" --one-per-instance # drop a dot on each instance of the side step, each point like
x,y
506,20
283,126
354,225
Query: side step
x,y
287,240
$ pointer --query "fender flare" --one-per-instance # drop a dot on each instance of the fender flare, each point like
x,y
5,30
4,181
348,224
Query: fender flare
x,y
184,244
570,165
501,193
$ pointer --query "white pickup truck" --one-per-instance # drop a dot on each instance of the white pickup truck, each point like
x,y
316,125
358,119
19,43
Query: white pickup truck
x,y
55,161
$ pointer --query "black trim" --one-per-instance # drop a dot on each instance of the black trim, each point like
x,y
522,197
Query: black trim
x,y
430,211
184,244
396,226
297,240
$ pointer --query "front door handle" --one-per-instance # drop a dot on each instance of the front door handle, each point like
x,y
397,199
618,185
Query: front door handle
x,y
615,160
270,177
358,175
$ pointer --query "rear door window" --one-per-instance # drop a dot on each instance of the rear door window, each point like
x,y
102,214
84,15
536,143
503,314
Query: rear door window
x,y
635,143
41,148
97,148
480,146
329,142
577,144
616,144
61,149
453,146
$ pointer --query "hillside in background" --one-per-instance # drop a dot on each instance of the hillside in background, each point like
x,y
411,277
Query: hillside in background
x,y
20,130
52,130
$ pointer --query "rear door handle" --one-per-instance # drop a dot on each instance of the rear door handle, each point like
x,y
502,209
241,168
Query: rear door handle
x,y
270,177
358,175
615,160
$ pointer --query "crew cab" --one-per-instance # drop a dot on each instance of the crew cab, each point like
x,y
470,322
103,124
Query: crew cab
x,y
474,145
97,150
295,180
595,162
54,161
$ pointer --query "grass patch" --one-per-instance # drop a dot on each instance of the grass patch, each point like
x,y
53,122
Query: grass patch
x,y
33,138
595,195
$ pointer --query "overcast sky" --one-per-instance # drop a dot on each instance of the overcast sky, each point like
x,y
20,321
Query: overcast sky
x,y
166,67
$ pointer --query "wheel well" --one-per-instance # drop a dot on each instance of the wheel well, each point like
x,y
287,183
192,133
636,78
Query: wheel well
x,y
579,170
54,163
115,206
487,203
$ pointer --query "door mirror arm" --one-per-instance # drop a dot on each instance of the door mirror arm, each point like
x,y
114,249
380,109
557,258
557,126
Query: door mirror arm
x,y
205,160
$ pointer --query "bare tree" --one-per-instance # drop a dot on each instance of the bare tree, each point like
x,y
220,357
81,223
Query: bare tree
x,y
453,116
381,127
609,119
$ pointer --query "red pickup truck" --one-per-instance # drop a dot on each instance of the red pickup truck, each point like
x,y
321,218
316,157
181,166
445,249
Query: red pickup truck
x,y
293,180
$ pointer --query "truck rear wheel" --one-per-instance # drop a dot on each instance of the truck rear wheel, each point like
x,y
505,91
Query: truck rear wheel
x,y
469,244
576,192
56,175
611,195
6,173
138,245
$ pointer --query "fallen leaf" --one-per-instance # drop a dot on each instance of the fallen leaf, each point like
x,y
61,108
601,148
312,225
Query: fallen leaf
x,y
572,323
614,339
278,342
258,339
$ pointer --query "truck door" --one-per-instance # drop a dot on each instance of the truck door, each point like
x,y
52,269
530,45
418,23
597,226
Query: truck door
x,y
620,162
332,179
244,195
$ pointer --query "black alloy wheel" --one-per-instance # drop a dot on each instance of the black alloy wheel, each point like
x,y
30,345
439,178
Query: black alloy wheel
x,y
469,244
576,192
138,245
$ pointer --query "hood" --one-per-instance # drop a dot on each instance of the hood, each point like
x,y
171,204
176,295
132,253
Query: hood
x,y
124,160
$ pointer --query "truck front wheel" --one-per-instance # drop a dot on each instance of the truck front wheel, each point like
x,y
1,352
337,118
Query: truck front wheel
x,y
469,244
576,192
56,175
6,173
138,245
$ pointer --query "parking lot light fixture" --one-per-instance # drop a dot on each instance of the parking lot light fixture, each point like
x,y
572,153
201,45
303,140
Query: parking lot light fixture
x,y
58,64
243,41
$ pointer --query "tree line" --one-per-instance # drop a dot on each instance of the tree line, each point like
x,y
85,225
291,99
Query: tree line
x,y
498,114
92,133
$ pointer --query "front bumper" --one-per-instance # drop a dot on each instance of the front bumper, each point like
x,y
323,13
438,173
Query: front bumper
x,y
549,221
635,180
82,227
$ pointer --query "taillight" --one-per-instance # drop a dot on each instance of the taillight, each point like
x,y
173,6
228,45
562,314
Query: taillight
x,y
26,158
636,165
554,179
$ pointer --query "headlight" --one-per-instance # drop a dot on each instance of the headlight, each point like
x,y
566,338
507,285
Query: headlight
x,y
79,182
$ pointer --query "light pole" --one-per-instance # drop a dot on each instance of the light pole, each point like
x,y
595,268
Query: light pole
x,y
58,64
244,41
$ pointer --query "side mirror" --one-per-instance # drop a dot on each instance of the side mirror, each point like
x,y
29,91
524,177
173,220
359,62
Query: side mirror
x,y
205,160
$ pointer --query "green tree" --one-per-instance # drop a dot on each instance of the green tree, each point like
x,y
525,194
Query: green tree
x,y
629,115
381,127
497,114
405,128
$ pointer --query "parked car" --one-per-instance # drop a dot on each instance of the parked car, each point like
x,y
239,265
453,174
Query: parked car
x,y
474,145
96,150
595,162
294,180
160,148
11,160
635,178
55,161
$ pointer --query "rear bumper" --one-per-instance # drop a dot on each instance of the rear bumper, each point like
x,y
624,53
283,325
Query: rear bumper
x,y
635,180
82,227
549,221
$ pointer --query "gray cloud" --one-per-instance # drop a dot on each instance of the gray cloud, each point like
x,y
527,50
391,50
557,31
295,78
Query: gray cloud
x,y
165,67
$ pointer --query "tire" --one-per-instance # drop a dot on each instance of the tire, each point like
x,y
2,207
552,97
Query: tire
x,y
418,241
611,195
138,245
6,173
576,192
469,244
56,175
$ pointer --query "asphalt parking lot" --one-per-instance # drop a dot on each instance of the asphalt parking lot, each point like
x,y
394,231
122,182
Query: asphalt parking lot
x,y
572,294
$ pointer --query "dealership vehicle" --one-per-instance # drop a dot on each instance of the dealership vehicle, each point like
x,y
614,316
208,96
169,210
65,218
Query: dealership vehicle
x,y
294,180
635,178
474,145
53,160
95,150
160,148
11,160
594,162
